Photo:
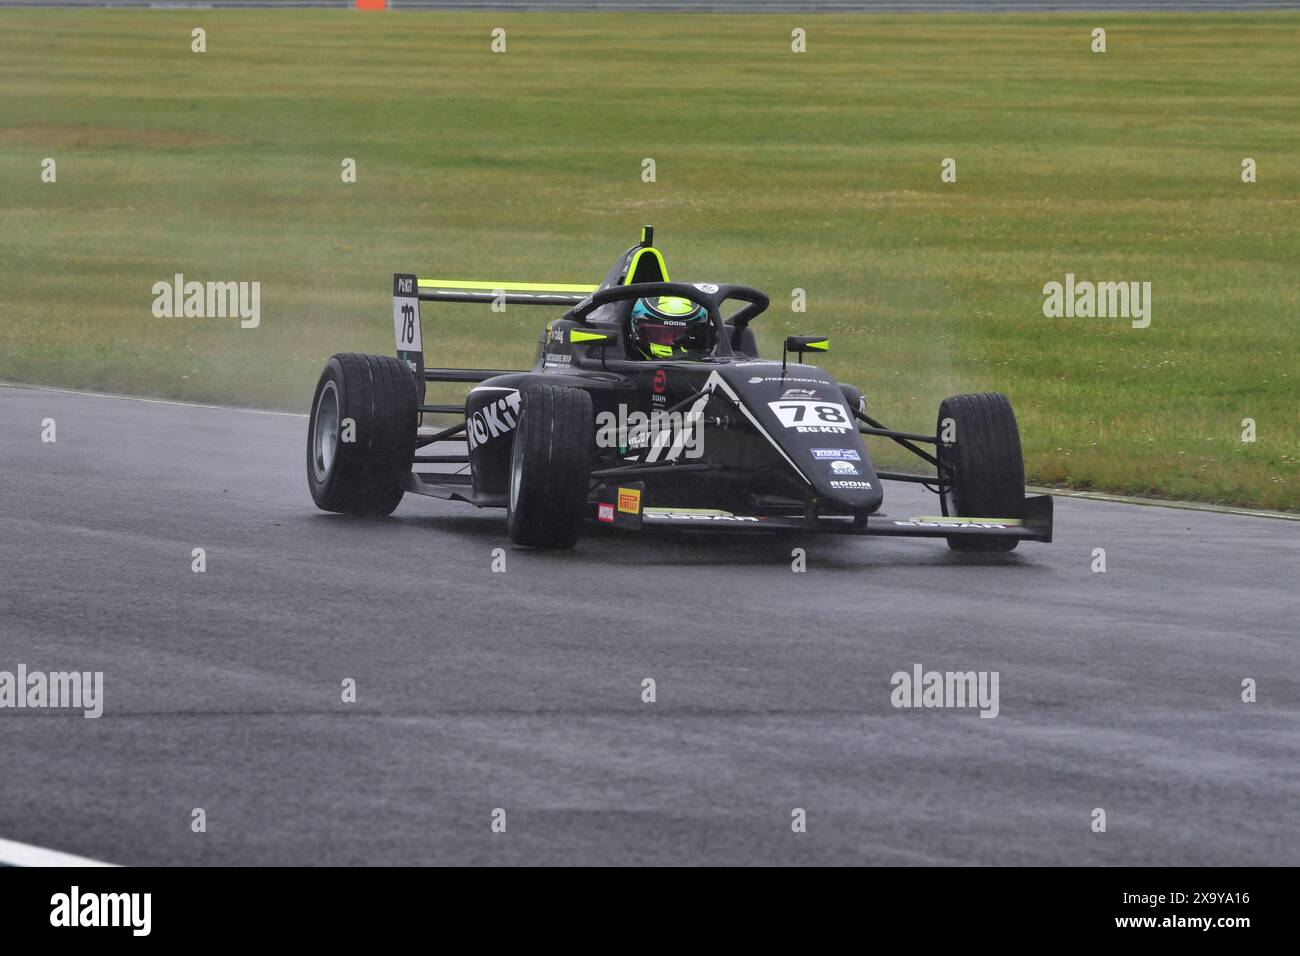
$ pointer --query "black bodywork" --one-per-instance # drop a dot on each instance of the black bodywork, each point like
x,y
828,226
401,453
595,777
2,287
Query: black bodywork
x,y
762,444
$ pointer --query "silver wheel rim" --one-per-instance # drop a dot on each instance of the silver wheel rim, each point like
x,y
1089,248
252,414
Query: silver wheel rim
x,y
516,464
325,436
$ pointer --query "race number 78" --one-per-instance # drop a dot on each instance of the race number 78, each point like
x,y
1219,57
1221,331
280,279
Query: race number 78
x,y
406,323
808,412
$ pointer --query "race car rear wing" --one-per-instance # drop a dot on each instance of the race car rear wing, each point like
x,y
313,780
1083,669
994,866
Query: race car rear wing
x,y
511,293
409,291
641,263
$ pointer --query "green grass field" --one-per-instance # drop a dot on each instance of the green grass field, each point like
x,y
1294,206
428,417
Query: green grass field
x,y
817,171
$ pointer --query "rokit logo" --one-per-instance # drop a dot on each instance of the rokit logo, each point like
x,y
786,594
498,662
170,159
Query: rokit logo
x,y
495,418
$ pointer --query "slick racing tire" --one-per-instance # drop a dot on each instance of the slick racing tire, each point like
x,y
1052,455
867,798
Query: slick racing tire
x,y
550,466
359,468
984,464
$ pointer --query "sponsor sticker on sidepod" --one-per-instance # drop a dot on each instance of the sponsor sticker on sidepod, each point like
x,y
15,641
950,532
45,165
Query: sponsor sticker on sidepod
x,y
844,454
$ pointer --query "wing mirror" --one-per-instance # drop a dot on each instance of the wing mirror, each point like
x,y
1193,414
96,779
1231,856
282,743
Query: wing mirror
x,y
601,339
804,343
583,337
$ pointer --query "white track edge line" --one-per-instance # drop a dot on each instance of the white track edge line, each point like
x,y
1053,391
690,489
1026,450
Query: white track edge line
x,y
1161,503
150,401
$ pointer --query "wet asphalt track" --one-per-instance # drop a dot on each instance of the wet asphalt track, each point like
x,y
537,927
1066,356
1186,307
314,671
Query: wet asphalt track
x,y
522,690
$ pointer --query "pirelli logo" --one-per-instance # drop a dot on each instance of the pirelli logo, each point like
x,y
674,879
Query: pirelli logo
x,y
629,501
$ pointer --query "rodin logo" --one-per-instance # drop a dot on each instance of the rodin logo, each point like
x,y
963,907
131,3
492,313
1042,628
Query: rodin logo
x,y
74,908
213,300
946,689
75,690
1102,300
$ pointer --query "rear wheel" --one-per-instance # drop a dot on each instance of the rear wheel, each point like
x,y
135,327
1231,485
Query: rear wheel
x,y
983,464
550,467
361,435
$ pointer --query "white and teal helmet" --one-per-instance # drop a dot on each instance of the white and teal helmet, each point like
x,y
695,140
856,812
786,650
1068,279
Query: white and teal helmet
x,y
669,327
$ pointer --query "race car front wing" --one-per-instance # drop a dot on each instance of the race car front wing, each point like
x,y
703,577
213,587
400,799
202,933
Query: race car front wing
x,y
620,507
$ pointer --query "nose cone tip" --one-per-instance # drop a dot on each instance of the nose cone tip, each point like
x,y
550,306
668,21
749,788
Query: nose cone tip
x,y
863,501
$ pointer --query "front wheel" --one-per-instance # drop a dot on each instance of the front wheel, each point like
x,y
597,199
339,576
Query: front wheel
x,y
550,467
361,435
982,466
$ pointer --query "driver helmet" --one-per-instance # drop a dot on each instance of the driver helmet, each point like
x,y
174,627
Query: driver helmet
x,y
669,327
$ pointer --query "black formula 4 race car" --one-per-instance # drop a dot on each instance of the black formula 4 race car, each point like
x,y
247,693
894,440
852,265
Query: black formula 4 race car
x,y
701,432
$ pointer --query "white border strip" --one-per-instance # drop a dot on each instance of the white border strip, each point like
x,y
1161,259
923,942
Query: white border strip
x,y
1161,503
150,401
24,854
